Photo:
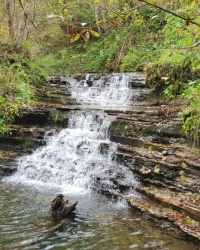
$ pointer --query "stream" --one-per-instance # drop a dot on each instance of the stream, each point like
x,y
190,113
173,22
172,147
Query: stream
x,y
98,223
76,162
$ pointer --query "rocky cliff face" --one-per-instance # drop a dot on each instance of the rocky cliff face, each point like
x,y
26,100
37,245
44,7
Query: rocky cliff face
x,y
151,144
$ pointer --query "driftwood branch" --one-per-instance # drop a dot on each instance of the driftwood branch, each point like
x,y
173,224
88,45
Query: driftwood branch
x,y
60,208
188,20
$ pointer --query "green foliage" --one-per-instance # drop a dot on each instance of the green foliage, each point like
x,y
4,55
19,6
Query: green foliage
x,y
191,115
14,95
95,56
171,91
177,33
133,58
19,75
72,11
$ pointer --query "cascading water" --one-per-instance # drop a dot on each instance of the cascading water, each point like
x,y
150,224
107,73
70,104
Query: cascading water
x,y
109,90
82,153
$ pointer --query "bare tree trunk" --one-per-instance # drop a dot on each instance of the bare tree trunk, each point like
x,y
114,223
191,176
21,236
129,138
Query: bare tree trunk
x,y
23,30
10,19
97,18
123,48
68,34
18,18
104,6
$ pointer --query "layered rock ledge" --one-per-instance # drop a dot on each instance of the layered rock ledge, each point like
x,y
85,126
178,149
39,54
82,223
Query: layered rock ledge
x,y
152,144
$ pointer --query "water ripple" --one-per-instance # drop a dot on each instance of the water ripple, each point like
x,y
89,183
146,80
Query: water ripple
x,y
97,223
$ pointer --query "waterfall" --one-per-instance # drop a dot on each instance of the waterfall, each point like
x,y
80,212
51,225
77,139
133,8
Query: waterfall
x,y
82,153
109,90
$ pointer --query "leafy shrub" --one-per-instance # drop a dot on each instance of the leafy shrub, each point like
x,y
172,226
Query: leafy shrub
x,y
19,75
95,56
191,115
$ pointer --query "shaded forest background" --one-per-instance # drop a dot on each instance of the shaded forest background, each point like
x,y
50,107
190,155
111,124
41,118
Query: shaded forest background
x,y
43,37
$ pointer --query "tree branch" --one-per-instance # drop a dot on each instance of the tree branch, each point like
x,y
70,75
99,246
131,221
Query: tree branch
x,y
25,14
170,12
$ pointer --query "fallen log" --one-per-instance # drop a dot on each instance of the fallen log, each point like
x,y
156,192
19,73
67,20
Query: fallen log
x,y
60,208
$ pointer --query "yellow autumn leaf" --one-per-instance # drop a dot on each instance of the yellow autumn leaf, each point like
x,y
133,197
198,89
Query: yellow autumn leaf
x,y
94,33
75,38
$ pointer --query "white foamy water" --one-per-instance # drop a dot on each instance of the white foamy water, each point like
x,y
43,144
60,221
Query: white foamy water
x,y
77,157
109,90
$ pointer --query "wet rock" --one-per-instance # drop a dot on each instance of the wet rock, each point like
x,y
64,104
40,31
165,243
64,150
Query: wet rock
x,y
7,170
32,118
68,81
59,116
89,83
122,184
157,139
126,140
104,147
178,200
137,83
79,77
